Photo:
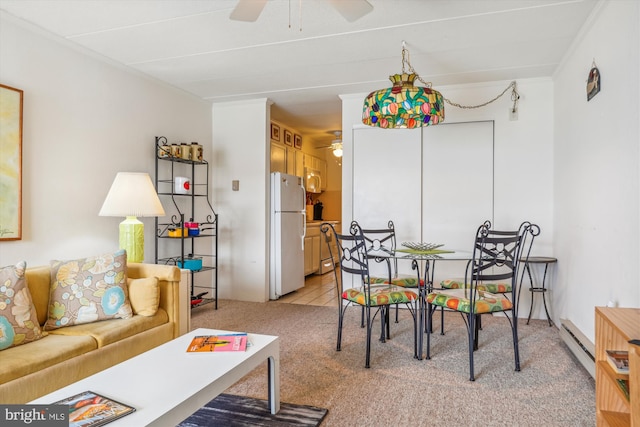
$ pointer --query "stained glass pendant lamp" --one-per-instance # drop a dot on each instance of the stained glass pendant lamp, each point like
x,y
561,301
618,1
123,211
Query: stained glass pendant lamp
x,y
404,105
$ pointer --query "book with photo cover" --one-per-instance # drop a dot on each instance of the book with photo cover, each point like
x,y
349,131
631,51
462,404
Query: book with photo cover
x,y
89,409
619,360
218,343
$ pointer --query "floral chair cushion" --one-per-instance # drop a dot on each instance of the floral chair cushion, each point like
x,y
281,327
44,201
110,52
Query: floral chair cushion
x,y
18,317
380,296
458,299
405,282
494,288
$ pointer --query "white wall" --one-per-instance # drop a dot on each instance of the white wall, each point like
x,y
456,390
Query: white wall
x,y
523,161
84,121
596,200
241,152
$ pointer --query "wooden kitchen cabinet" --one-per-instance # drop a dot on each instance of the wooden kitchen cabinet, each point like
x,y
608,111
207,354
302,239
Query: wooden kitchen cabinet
x,y
312,250
278,158
295,161
286,159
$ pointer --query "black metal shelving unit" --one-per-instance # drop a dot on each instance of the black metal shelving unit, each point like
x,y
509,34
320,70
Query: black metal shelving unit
x,y
194,206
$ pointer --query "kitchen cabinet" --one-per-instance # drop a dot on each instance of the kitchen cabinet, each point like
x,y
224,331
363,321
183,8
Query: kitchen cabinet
x,y
312,250
329,257
278,158
196,248
317,258
295,162
286,159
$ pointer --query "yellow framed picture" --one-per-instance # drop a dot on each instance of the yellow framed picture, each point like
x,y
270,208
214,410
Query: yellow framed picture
x,y
10,163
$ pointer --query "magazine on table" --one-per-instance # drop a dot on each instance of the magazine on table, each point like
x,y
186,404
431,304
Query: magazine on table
x,y
218,343
89,409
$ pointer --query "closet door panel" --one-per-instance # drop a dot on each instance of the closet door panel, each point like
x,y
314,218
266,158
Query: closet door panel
x,y
458,171
387,182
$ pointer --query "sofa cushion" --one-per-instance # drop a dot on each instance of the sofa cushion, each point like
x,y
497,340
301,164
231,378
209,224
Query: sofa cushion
x,y
18,317
144,295
48,351
87,290
110,331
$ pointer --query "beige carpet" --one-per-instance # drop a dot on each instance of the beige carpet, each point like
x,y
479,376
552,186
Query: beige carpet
x,y
551,390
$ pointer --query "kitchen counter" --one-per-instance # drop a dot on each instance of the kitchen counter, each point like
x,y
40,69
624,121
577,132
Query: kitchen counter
x,y
318,223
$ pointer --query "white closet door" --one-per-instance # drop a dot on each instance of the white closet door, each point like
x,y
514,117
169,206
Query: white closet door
x,y
387,181
458,189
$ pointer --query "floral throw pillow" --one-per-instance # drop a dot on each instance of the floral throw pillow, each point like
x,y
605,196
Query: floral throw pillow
x,y
88,290
18,317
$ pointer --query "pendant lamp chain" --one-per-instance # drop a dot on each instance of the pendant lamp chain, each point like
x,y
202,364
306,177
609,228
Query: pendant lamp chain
x,y
515,96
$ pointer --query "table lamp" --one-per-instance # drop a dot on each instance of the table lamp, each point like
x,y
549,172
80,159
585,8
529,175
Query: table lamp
x,y
132,195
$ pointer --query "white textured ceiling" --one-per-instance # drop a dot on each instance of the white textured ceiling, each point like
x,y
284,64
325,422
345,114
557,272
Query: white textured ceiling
x,y
303,54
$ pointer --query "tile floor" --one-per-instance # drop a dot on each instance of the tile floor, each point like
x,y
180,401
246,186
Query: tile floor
x,y
317,290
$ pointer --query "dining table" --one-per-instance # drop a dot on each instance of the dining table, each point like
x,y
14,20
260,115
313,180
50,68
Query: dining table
x,y
423,258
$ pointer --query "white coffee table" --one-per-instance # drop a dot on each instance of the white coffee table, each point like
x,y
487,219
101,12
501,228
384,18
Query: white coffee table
x,y
167,384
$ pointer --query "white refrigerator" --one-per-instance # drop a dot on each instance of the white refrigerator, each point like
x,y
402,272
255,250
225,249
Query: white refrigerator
x,y
288,228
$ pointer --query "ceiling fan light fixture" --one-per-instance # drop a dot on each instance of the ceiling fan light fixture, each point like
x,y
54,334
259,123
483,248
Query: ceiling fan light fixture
x,y
337,149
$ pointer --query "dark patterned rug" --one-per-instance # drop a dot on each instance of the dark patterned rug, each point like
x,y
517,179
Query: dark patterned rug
x,y
229,410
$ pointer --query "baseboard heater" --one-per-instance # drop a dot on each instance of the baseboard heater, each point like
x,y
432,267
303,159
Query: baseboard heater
x,y
580,346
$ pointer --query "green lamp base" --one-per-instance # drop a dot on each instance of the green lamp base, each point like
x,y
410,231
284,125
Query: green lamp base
x,y
132,238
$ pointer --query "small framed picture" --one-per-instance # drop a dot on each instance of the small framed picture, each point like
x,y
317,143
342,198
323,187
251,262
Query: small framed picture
x,y
288,138
593,82
275,132
297,141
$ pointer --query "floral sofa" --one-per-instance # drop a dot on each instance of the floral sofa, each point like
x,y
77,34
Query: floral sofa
x,y
64,322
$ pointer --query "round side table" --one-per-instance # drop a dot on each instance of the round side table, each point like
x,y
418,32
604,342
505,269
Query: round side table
x,y
542,287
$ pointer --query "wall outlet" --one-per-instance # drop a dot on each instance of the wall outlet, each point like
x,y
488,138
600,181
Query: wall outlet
x,y
235,185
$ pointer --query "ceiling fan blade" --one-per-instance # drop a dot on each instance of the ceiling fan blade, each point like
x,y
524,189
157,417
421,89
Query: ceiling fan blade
x,y
248,10
352,10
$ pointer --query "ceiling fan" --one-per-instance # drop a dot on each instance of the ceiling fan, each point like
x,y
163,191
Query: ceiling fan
x,y
250,10
336,144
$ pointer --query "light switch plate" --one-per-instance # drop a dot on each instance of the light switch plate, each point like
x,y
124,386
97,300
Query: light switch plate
x,y
235,185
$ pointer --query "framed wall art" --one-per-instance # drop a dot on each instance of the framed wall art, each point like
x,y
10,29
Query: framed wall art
x,y
593,82
10,163
297,141
288,138
275,132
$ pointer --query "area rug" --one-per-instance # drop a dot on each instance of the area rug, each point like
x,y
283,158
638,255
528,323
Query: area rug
x,y
230,410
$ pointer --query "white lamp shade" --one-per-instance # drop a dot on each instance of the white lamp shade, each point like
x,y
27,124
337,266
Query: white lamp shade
x,y
132,194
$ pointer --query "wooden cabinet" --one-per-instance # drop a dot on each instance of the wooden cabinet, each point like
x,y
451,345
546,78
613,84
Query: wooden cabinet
x,y
295,161
286,159
614,328
278,158
312,250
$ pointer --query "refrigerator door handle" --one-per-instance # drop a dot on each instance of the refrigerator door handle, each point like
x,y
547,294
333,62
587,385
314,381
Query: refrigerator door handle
x,y
304,212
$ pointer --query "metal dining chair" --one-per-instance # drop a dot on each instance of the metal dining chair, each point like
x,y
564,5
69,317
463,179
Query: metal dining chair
x,y
496,258
374,298
384,239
